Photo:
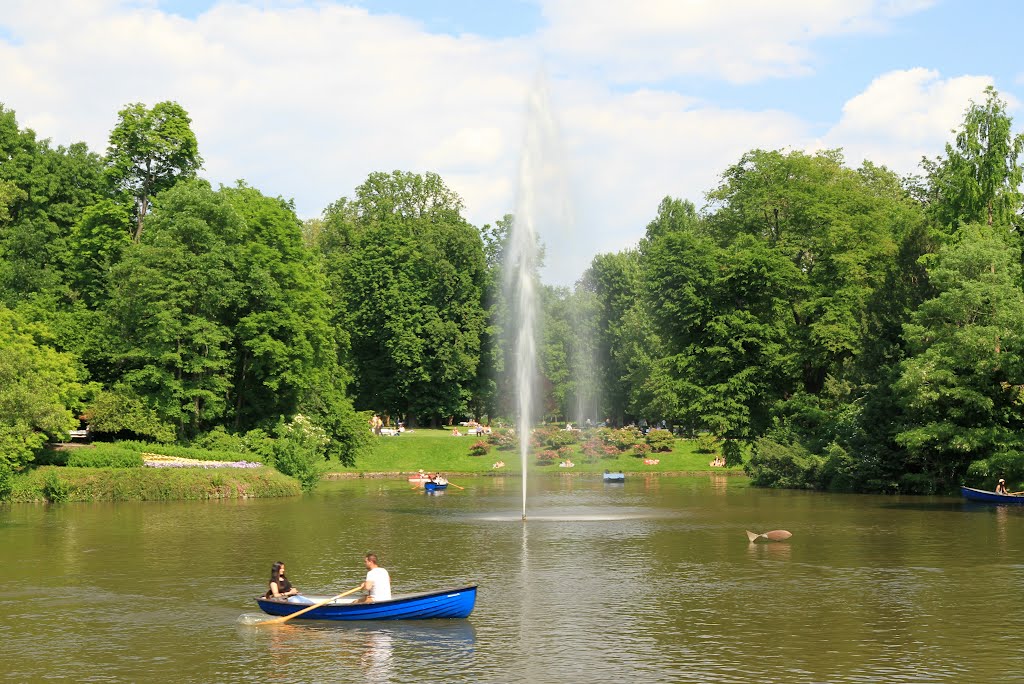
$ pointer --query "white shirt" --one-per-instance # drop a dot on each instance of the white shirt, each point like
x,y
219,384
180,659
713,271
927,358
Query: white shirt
x,y
380,589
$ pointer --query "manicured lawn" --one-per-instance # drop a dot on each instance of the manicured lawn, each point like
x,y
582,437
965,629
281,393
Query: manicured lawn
x,y
440,451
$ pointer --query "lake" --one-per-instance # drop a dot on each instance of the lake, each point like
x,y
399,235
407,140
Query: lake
x,y
651,580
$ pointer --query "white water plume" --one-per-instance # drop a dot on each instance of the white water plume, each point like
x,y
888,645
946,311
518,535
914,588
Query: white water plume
x,y
541,204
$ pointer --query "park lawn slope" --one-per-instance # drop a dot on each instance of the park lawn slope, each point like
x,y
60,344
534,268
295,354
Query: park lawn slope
x,y
440,451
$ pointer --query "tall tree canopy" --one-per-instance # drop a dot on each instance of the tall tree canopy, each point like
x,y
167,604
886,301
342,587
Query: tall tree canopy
x,y
961,389
43,191
149,151
408,271
979,180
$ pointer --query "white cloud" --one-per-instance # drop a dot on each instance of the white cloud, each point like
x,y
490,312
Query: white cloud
x,y
741,41
902,116
304,101
629,151
300,101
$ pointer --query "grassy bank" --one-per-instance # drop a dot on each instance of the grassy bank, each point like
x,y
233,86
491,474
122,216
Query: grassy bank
x,y
115,471
439,451
53,483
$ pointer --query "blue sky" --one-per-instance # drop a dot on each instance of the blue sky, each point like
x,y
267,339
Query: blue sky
x,y
651,97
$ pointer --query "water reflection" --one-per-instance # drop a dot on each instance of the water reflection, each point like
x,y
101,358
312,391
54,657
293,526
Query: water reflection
x,y
655,579
1002,515
779,551
380,651
378,648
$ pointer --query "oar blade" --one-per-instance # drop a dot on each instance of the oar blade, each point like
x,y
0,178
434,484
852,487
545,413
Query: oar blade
x,y
752,536
250,619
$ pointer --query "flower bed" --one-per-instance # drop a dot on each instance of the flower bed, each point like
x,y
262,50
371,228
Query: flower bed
x,y
158,461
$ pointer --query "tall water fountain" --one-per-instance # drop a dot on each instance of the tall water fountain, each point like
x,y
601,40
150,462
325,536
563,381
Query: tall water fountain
x,y
542,200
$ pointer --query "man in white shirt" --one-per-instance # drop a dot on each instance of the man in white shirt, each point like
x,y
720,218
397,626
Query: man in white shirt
x,y
378,582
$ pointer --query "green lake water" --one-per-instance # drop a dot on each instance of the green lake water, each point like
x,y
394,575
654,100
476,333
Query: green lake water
x,y
649,581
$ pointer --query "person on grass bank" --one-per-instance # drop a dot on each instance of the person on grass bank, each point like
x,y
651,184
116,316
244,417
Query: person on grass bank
x,y
280,587
378,582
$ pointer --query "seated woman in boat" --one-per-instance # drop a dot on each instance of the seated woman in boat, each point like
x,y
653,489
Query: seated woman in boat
x,y
1001,487
280,587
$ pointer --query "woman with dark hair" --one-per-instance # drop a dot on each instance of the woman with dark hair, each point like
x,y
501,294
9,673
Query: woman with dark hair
x,y
280,587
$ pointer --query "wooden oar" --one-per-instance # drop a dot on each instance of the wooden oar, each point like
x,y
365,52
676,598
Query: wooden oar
x,y
455,485
286,618
774,535
1015,493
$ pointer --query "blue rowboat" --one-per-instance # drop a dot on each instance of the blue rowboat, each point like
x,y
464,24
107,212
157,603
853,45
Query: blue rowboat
x,y
614,477
982,495
453,603
434,486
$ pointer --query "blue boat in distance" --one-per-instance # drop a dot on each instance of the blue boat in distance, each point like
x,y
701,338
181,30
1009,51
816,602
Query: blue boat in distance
x,y
614,477
453,603
991,497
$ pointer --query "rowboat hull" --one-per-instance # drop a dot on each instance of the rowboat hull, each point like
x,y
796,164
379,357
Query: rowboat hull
x,y
435,487
453,603
991,497
614,477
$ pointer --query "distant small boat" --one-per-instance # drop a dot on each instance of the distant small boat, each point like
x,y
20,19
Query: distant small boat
x,y
983,495
453,603
614,477
435,486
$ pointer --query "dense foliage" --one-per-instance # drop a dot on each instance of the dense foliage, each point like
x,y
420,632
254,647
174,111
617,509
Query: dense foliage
x,y
845,327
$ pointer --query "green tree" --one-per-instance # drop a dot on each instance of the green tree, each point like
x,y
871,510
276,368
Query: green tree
x,y
169,294
299,450
43,191
149,151
980,178
488,394
99,239
614,281
408,271
119,411
723,320
285,346
840,229
555,354
41,389
961,389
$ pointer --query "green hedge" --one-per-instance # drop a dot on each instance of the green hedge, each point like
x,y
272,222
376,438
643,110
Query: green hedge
x,y
52,483
103,456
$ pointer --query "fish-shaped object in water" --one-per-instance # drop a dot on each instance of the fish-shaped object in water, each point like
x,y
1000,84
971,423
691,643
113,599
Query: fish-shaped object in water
x,y
774,535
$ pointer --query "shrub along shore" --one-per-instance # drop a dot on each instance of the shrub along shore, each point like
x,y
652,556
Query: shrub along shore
x,y
57,484
118,471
